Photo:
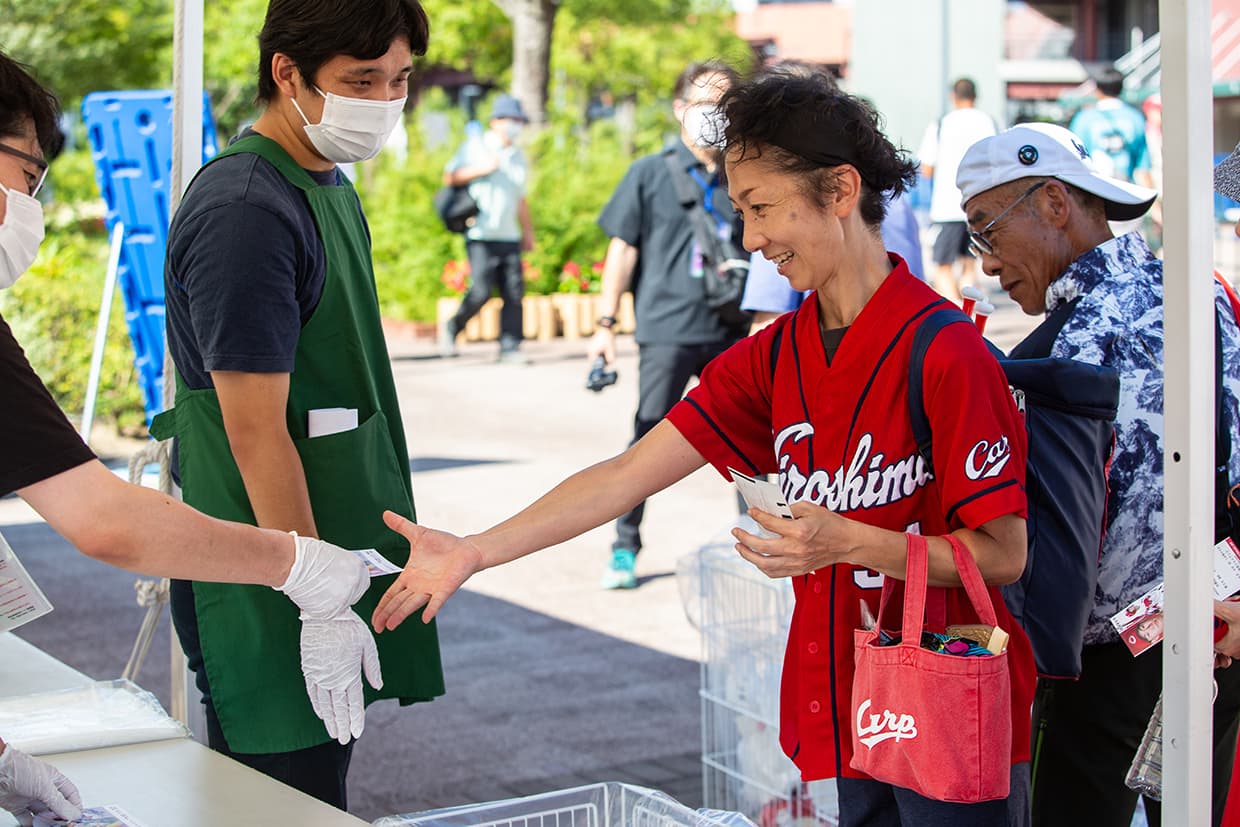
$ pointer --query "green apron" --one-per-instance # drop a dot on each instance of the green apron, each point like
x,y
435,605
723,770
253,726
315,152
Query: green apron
x,y
250,634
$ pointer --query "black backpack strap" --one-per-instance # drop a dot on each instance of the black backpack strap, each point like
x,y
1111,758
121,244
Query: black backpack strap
x,y
1038,344
922,337
690,196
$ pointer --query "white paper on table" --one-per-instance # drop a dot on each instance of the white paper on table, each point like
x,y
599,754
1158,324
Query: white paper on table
x,y
21,599
324,421
103,714
376,563
109,815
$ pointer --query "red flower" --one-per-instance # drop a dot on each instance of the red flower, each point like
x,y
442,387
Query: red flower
x,y
455,274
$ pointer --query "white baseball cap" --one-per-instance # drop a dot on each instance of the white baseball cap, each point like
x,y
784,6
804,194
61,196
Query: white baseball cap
x,y
1040,149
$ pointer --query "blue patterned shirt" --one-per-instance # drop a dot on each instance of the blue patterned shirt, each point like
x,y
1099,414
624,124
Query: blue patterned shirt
x,y
1119,322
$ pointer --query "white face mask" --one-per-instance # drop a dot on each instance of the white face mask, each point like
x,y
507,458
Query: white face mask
x,y
352,129
20,235
704,124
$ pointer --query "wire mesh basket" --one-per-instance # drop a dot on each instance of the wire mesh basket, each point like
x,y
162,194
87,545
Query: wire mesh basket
x,y
607,804
744,616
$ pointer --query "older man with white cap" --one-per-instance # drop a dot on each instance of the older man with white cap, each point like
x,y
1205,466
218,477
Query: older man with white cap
x,y
1037,212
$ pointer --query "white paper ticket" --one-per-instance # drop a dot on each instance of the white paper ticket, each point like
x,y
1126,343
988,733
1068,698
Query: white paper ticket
x,y
763,495
21,600
1226,569
376,562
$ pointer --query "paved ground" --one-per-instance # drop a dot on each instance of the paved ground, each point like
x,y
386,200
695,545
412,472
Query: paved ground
x,y
551,682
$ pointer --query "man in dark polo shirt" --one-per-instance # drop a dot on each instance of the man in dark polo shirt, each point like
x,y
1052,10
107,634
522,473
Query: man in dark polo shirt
x,y
652,251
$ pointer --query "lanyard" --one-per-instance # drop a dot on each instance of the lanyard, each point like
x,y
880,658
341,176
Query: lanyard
x,y
708,202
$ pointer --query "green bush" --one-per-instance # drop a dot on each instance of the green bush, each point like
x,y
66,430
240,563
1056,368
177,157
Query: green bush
x,y
573,174
54,310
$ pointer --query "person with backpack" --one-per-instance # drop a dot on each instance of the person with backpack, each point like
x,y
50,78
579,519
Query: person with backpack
x,y
1038,212
820,397
654,250
494,170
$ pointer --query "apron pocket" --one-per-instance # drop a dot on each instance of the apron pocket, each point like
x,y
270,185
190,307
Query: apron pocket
x,y
353,476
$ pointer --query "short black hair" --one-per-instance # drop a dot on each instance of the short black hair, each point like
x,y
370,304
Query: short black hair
x,y
696,70
762,110
23,99
965,89
312,32
1110,81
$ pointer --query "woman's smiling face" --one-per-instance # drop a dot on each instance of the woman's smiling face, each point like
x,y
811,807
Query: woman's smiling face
x,y
800,237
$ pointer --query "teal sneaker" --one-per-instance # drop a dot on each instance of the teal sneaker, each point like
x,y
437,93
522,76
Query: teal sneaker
x,y
620,573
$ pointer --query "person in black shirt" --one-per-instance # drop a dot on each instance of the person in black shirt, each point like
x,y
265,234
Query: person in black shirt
x,y
48,465
652,251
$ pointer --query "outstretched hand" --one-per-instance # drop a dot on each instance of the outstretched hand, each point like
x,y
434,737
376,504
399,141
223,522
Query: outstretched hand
x,y
438,564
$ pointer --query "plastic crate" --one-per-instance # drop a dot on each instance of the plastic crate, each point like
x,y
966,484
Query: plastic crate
x,y
607,804
744,617
130,134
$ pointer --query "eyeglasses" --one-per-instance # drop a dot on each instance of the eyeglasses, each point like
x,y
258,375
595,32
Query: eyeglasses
x,y
34,183
979,245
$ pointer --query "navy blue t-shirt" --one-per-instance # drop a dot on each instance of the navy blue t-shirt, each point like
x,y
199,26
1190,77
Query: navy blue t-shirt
x,y
244,271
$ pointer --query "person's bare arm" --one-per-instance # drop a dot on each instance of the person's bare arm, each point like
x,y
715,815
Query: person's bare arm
x,y
463,175
618,268
439,563
253,406
144,531
819,537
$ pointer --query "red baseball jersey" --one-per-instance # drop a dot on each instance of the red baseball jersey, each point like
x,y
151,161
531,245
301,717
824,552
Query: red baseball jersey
x,y
839,436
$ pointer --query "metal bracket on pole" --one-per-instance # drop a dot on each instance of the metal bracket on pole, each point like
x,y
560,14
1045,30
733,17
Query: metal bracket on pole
x,y
101,329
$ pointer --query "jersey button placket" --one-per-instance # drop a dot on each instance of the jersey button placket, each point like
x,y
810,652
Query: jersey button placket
x,y
815,707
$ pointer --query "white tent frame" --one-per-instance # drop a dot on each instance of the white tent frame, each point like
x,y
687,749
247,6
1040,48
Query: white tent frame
x,y
1188,412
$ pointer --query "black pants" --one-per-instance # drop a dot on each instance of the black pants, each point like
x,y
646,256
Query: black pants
x,y
319,771
495,265
870,803
663,373
1086,732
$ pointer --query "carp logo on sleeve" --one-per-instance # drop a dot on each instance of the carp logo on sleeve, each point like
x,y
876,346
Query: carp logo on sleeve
x,y
987,459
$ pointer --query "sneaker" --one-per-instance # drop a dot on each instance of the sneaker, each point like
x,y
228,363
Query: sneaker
x,y
447,340
513,357
620,573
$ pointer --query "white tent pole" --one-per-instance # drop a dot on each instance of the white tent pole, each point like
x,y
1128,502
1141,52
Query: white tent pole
x,y
1188,460
186,158
101,329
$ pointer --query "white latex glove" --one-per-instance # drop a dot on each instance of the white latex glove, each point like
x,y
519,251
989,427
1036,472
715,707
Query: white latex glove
x,y
30,787
330,653
325,579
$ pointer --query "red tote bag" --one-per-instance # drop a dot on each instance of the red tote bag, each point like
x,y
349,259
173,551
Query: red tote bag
x,y
934,723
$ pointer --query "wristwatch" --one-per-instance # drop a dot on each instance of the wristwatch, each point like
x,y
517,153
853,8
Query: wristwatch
x,y
606,322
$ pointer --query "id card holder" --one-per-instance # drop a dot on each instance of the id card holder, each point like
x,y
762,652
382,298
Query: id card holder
x,y
21,599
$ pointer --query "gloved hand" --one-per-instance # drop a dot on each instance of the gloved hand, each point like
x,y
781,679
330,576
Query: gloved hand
x,y
325,579
330,652
30,787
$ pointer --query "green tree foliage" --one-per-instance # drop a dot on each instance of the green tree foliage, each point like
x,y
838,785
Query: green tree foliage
x,y
633,49
80,46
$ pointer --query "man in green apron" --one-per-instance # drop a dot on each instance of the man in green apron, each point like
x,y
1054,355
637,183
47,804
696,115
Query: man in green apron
x,y
273,323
